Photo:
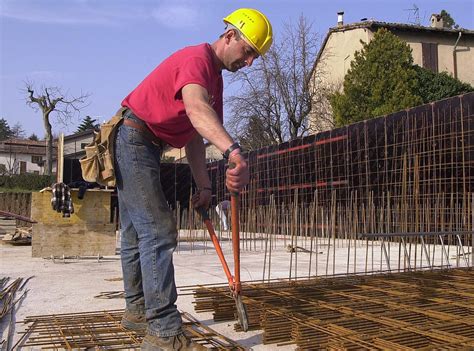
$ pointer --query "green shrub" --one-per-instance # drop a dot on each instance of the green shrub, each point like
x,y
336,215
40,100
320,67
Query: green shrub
x,y
26,181
437,86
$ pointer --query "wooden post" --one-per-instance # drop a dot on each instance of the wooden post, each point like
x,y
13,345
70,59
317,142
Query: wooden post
x,y
60,160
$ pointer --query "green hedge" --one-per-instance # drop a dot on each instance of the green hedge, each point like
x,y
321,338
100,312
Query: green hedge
x,y
27,181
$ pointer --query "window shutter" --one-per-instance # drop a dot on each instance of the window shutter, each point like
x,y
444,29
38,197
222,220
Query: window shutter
x,y
430,56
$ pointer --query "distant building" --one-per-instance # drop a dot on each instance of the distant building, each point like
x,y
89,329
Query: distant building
x,y
436,48
19,156
74,150
74,144
179,155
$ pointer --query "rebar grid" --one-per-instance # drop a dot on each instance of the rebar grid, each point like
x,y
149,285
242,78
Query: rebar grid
x,y
419,152
401,311
101,330
414,165
357,238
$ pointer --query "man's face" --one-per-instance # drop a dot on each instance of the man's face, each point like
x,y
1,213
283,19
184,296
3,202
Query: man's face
x,y
239,54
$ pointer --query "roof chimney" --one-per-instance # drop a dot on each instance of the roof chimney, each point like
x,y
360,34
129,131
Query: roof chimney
x,y
436,21
340,18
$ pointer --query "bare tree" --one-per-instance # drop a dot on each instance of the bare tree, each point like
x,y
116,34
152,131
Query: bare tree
x,y
275,97
321,115
13,164
49,100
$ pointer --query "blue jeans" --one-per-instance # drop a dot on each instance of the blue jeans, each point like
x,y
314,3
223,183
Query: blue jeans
x,y
148,231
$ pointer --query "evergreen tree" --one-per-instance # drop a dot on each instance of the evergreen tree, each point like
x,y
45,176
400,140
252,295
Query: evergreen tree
x,y
448,21
381,80
87,123
33,137
5,130
17,131
436,86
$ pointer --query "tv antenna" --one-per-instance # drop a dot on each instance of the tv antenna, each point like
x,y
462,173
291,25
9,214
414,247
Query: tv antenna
x,y
415,12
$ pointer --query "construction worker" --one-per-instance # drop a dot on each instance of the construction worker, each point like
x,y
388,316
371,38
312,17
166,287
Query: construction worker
x,y
222,210
178,104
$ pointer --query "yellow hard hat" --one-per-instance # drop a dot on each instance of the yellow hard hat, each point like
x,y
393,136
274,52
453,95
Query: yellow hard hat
x,y
255,26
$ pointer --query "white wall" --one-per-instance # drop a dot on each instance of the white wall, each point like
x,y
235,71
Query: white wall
x,y
73,146
12,162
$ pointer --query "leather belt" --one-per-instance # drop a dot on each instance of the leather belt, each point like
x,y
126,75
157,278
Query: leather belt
x,y
145,131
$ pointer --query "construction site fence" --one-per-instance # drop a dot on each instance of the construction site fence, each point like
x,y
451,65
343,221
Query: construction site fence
x,y
412,170
17,203
416,154
395,191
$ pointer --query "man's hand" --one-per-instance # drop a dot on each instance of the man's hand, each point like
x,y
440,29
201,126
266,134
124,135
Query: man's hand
x,y
237,177
202,199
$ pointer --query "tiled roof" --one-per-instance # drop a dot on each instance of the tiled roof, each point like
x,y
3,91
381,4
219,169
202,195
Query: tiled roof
x,y
24,146
399,26
80,134
28,142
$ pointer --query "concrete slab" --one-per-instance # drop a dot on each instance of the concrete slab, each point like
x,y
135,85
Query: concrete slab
x,y
70,286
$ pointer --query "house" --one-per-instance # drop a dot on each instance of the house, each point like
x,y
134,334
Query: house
x,y
19,156
179,155
74,144
436,48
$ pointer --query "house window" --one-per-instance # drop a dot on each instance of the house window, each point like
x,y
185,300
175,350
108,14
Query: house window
x,y
3,168
430,56
36,159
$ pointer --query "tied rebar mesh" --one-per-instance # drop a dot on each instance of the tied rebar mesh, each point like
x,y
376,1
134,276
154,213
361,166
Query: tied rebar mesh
x,y
101,330
403,311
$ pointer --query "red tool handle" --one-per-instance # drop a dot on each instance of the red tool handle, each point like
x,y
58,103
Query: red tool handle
x,y
217,246
234,205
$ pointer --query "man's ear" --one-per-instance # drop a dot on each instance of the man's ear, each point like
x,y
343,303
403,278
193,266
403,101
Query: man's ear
x,y
229,35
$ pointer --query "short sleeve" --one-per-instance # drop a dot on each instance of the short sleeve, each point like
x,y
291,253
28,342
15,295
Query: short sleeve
x,y
195,70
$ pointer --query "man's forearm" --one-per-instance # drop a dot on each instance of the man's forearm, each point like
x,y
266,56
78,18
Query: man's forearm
x,y
196,155
208,125
203,117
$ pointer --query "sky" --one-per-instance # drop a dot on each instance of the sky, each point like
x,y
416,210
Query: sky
x,y
105,48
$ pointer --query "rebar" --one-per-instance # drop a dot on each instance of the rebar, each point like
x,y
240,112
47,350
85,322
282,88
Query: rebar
x,y
419,310
102,330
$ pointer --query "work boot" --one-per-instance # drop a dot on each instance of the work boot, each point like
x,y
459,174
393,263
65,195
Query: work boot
x,y
133,321
178,342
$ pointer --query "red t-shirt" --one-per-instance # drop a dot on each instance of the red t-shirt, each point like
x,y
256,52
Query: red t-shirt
x,y
157,99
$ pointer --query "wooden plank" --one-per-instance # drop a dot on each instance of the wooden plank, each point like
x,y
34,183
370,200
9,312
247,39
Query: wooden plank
x,y
88,231
7,227
80,239
60,161
7,222
94,208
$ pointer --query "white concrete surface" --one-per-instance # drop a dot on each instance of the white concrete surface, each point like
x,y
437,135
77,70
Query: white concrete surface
x,y
70,286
